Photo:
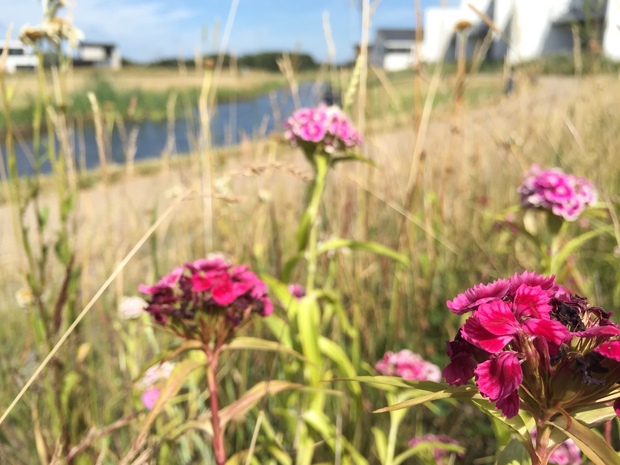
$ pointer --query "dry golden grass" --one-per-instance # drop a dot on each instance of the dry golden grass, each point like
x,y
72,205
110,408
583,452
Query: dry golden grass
x,y
470,169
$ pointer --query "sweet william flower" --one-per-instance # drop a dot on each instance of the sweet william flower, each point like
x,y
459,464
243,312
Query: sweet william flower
x,y
553,190
409,366
533,336
321,129
210,290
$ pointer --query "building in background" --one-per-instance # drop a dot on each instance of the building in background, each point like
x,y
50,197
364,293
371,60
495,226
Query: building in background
x,y
522,30
393,49
19,57
97,55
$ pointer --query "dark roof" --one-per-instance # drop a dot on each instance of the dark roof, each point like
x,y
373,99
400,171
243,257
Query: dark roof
x,y
396,34
97,44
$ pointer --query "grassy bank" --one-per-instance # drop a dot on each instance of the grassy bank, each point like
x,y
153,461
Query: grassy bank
x,y
138,93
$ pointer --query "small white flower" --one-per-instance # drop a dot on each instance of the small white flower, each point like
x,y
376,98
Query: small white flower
x,y
131,307
155,374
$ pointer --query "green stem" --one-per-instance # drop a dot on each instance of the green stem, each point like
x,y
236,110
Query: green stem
x,y
392,436
543,433
307,234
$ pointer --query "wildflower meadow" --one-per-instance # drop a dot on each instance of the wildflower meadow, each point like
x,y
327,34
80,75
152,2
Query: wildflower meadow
x,y
414,275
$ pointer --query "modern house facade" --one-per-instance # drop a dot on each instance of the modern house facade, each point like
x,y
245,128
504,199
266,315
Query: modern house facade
x,y
393,49
524,29
19,57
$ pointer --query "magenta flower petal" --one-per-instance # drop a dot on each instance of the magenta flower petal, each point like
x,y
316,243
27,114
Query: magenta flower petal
x,y
477,295
498,377
596,331
223,293
609,349
531,301
546,283
617,407
476,333
554,332
509,405
460,370
497,318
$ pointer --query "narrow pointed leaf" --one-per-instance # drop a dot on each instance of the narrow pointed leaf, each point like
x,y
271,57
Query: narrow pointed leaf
x,y
255,343
337,355
249,400
592,444
372,247
459,392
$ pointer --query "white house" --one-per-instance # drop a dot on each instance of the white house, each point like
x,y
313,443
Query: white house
x,y
532,28
97,55
393,49
18,56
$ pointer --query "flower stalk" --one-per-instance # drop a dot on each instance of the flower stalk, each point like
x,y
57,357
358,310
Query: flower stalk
x,y
219,448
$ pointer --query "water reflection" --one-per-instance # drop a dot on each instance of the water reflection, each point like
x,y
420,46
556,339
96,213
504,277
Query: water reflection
x,y
229,124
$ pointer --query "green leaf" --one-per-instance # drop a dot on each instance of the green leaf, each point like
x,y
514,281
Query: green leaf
x,y
308,325
595,416
352,156
427,446
255,343
249,400
290,265
380,443
336,354
70,381
372,247
321,424
588,440
280,329
456,392
558,261
179,375
280,290
514,454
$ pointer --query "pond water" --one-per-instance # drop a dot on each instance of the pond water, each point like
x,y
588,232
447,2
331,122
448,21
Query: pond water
x,y
230,122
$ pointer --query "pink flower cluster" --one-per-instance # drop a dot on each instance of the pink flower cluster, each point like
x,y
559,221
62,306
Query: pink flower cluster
x,y
324,125
567,453
438,454
207,287
529,332
563,194
409,366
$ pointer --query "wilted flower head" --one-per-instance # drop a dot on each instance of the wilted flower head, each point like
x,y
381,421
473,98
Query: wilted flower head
x,y
529,333
438,454
321,128
131,307
409,366
297,290
566,453
207,298
24,297
563,194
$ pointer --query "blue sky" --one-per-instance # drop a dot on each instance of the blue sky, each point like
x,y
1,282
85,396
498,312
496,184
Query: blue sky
x,y
147,30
